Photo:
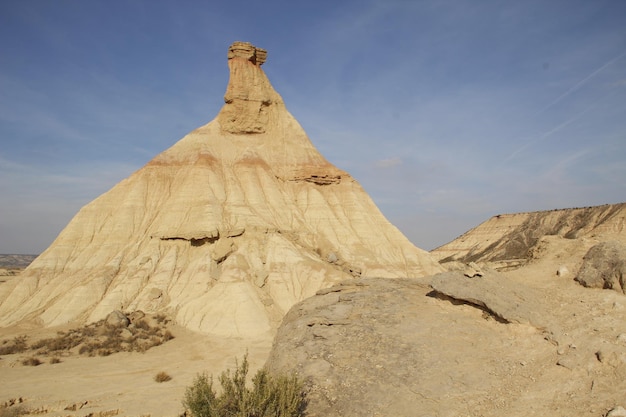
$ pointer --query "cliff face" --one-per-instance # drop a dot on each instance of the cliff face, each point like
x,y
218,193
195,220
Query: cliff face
x,y
224,231
511,237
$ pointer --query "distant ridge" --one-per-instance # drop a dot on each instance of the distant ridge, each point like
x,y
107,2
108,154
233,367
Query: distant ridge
x,y
16,260
510,237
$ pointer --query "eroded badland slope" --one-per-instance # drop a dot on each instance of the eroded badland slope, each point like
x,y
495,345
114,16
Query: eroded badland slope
x,y
221,234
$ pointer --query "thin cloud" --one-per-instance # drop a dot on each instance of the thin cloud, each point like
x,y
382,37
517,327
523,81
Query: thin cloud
x,y
557,128
582,82
388,163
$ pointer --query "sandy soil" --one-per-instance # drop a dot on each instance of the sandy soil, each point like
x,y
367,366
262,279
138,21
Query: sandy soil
x,y
122,383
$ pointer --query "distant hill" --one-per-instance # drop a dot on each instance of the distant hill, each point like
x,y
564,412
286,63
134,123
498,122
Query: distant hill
x,y
510,238
16,261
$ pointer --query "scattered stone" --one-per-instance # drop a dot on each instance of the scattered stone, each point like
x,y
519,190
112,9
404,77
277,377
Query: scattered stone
x,y
472,270
137,315
618,411
332,257
562,271
608,357
117,319
222,249
76,406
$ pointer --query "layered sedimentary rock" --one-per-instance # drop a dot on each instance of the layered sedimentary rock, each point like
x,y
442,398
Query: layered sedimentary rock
x,y
510,238
225,230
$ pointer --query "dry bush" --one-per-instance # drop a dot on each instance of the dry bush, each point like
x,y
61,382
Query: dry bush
x,y
32,361
161,319
63,341
54,360
17,345
97,339
143,325
270,396
162,377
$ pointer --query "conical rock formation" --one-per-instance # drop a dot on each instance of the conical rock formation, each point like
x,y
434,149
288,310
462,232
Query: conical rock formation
x,y
224,231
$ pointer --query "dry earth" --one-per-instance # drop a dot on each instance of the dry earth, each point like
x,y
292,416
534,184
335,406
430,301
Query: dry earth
x,y
119,384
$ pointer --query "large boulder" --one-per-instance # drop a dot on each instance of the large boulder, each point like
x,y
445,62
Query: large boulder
x,y
604,266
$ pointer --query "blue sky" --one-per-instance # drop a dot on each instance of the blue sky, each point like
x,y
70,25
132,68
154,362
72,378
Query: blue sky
x,y
446,112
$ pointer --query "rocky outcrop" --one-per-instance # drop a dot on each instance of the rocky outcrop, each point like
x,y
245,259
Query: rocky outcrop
x,y
509,239
224,231
249,93
493,344
604,266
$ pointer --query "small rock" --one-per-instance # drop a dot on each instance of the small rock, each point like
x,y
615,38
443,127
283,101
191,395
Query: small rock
x,y
155,293
562,271
618,411
117,319
136,315
621,338
566,362
126,334
608,357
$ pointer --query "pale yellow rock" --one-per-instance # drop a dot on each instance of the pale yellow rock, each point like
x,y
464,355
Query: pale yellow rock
x,y
230,226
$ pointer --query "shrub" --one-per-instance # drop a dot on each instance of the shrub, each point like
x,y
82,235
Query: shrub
x,y
31,362
55,360
162,377
275,396
17,345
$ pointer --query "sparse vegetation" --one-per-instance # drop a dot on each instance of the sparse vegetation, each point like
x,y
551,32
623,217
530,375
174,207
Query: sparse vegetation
x,y
96,339
162,377
31,361
17,345
275,396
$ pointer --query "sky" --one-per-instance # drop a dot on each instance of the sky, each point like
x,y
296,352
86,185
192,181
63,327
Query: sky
x,y
446,112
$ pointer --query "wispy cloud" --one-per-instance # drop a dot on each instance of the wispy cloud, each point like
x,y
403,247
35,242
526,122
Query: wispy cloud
x,y
582,82
388,163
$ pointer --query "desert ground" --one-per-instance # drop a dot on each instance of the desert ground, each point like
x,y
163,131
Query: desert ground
x,y
567,358
121,383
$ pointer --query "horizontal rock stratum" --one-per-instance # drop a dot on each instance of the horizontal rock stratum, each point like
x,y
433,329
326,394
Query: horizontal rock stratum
x,y
224,231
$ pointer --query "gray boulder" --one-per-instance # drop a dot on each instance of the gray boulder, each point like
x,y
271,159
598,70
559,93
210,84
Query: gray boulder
x,y
604,266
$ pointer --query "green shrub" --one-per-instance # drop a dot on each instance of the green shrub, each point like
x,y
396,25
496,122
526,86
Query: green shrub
x,y
270,396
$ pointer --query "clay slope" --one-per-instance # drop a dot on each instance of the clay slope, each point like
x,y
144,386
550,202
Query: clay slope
x,y
224,231
509,239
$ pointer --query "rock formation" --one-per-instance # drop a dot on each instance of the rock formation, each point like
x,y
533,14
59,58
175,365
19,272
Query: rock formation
x,y
224,231
512,239
514,344
604,266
